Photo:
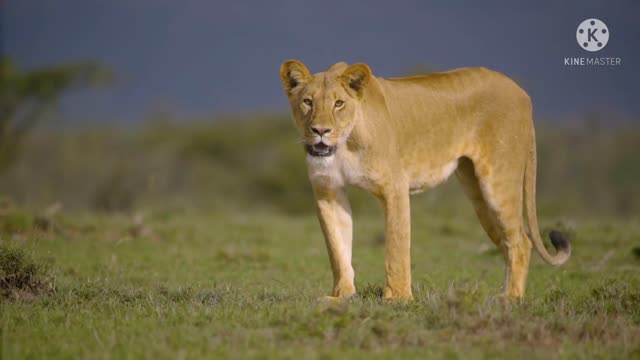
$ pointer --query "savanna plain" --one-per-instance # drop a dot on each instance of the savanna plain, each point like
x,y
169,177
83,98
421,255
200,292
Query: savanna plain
x,y
200,241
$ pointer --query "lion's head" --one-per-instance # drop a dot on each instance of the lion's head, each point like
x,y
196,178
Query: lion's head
x,y
326,105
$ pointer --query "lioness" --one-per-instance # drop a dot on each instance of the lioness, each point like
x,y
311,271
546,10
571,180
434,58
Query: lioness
x,y
397,136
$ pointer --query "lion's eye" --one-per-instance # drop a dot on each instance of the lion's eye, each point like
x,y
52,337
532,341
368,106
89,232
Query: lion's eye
x,y
308,102
339,103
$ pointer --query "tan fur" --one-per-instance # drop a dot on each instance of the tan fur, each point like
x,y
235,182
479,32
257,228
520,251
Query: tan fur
x,y
399,136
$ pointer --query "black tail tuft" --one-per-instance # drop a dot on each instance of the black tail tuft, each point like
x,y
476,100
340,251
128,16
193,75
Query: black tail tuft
x,y
559,240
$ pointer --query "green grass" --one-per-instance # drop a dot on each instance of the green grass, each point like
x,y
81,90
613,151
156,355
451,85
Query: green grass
x,y
245,285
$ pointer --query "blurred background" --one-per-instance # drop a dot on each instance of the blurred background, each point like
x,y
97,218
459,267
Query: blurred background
x,y
134,105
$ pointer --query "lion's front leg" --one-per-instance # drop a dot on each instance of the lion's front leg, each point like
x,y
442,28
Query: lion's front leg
x,y
334,213
398,244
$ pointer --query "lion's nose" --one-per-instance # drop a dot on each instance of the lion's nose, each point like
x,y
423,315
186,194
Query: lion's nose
x,y
320,130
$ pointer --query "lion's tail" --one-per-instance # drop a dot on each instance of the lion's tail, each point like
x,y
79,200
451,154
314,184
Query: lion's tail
x,y
558,239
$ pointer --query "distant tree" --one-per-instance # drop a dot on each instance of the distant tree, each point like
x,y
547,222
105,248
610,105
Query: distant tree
x,y
25,97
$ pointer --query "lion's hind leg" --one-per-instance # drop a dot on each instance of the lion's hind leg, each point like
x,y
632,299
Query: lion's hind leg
x,y
469,181
498,205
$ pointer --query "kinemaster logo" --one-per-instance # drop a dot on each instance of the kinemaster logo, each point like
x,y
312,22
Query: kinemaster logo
x,y
592,36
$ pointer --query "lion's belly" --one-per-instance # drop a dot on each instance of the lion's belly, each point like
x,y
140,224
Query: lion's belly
x,y
430,178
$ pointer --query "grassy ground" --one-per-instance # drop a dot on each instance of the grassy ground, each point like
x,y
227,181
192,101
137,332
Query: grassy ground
x,y
217,273
245,285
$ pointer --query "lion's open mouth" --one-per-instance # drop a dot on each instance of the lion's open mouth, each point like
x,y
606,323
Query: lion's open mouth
x,y
321,149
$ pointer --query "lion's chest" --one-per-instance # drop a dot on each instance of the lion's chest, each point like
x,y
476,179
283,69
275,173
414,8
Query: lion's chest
x,y
337,171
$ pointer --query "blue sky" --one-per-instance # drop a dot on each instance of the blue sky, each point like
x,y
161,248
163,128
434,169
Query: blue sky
x,y
200,58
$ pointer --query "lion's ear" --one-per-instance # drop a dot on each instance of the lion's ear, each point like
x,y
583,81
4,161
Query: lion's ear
x,y
356,77
293,73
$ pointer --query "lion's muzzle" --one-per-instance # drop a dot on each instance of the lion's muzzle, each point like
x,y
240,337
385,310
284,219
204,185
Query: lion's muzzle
x,y
321,149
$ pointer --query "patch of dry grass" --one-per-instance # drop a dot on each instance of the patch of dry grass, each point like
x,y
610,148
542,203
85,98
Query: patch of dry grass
x,y
21,276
